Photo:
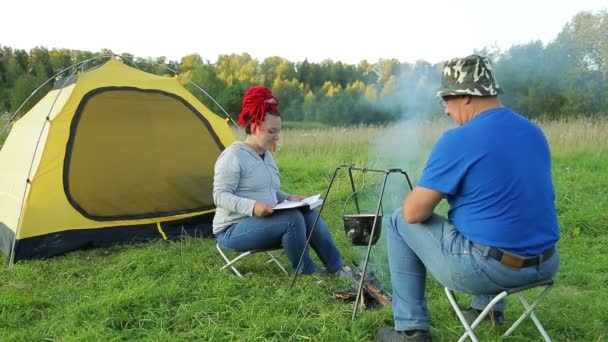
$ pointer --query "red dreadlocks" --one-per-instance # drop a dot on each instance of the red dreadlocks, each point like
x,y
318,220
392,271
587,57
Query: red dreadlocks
x,y
257,101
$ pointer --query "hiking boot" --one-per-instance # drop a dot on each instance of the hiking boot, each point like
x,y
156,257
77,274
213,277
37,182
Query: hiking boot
x,y
388,334
471,314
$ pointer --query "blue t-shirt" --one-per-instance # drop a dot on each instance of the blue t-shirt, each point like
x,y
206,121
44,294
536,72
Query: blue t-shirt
x,y
495,172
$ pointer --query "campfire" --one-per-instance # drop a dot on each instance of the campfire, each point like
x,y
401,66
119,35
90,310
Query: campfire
x,y
374,296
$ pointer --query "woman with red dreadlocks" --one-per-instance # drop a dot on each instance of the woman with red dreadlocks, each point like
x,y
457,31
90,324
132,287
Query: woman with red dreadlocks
x,y
246,186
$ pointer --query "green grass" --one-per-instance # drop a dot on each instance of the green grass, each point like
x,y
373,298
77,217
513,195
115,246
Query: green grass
x,y
162,290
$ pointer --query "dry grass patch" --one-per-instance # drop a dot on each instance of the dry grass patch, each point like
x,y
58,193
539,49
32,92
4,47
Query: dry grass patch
x,y
571,291
583,134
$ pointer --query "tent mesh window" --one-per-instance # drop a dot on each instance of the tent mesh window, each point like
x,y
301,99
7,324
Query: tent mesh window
x,y
136,153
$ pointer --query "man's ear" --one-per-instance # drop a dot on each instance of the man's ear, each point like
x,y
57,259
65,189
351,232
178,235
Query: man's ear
x,y
254,128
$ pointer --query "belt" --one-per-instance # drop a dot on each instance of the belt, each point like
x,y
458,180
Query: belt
x,y
513,260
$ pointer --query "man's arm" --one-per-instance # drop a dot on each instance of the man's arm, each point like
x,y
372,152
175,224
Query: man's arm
x,y
420,203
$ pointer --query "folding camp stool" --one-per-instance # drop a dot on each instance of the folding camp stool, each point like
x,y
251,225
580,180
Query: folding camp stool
x,y
548,284
230,263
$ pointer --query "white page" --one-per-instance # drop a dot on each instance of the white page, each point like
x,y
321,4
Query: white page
x,y
289,204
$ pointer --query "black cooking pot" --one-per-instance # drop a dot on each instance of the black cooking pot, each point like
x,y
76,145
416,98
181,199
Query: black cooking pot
x,y
358,228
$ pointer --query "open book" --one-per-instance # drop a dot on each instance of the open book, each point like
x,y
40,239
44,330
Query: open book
x,y
310,202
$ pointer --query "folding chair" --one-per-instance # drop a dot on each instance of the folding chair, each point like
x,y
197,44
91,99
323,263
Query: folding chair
x,y
230,263
548,284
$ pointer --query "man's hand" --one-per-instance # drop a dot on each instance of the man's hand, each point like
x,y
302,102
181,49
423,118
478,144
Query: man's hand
x,y
262,209
295,198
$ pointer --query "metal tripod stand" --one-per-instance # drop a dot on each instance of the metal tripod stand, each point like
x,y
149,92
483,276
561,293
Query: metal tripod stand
x,y
351,168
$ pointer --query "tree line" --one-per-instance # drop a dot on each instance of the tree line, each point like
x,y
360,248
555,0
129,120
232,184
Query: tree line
x,y
567,76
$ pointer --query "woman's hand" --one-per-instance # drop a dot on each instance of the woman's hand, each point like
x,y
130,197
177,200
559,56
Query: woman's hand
x,y
295,198
262,209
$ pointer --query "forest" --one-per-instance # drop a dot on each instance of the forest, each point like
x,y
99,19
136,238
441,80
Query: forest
x,y
565,77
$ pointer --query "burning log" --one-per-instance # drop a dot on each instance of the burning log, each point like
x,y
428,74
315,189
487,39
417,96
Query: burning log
x,y
374,296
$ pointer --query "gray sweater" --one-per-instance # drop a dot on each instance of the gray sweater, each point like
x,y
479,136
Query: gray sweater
x,y
241,178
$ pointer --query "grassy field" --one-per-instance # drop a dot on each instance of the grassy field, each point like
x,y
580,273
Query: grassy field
x,y
174,291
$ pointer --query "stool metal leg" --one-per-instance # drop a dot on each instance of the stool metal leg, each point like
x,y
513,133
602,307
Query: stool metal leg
x,y
485,312
530,312
274,258
469,328
230,262
469,331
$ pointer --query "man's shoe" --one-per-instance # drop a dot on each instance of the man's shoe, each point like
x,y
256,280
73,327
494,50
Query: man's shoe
x,y
388,334
471,315
345,272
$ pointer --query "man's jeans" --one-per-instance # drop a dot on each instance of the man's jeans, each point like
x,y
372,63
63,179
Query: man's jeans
x,y
288,228
435,245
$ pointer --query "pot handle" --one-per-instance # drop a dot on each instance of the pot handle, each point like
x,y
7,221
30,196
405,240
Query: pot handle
x,y
357,204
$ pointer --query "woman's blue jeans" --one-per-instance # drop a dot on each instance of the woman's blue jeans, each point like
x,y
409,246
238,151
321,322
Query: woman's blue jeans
x,y
289,229
437,246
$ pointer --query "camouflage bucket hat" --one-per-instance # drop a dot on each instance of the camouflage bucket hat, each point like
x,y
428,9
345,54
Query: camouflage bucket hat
x,y
471,75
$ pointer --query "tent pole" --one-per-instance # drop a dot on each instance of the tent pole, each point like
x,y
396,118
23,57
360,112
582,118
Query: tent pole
x,y
11,254
29,173
43,84
189,81
214,101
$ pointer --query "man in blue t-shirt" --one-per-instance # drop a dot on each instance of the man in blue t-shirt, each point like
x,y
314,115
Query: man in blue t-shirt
x,y
494,169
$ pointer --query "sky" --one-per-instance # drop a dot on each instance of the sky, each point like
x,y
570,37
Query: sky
x,y
349,31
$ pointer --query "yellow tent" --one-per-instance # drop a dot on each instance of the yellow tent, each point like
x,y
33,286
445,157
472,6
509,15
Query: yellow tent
x,y
112,155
